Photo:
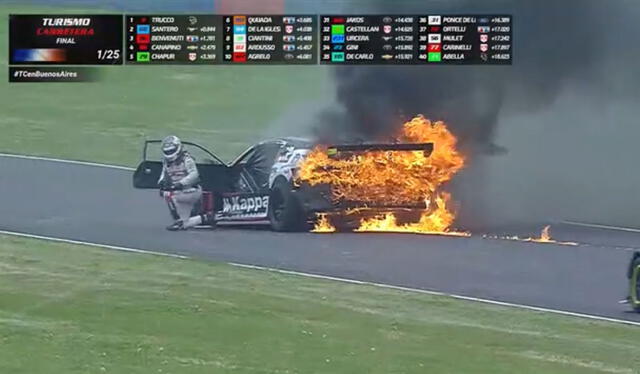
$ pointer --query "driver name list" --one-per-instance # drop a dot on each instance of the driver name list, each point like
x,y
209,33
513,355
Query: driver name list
x,y
244,39
411,39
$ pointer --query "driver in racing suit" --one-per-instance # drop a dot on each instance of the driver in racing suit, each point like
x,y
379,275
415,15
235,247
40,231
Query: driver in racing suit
x,y
180,184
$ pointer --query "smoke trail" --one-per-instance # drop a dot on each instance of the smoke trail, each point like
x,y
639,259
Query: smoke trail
x,y
571,48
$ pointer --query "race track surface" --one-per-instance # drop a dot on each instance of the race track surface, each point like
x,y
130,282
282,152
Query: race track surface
x,y
99,205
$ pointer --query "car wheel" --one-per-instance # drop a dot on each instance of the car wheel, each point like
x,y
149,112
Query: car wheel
x,y
634,284
285,213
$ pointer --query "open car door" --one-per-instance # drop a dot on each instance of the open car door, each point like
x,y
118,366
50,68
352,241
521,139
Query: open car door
x,y
215,175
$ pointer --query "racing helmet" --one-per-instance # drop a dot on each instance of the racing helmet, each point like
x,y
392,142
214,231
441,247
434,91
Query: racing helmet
x,y
171,148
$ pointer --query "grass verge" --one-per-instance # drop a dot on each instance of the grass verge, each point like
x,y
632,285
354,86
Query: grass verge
x,y
75,309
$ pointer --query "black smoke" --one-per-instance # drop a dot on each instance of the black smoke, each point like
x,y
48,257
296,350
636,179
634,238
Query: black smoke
x,y
573,60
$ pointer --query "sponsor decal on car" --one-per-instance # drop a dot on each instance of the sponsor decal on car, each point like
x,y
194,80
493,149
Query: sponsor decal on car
x,y
245,206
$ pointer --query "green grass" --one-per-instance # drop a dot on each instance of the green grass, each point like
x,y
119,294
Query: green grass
x,y
74,309
226,108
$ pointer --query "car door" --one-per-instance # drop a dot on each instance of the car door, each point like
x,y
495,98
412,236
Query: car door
x,y
215,175
255,166
249,200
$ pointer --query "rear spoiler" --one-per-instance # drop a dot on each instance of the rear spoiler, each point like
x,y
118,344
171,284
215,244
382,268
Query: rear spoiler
x,y
336,150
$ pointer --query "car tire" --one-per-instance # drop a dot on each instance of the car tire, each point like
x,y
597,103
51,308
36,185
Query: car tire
x,y
285,212
634,282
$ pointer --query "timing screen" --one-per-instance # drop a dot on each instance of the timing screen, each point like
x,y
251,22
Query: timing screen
x,y
148,39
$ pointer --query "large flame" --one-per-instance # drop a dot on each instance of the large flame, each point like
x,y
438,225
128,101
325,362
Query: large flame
x,y
393,178
436,222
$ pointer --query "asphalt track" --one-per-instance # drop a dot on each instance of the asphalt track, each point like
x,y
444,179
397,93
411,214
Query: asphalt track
x,y
99,205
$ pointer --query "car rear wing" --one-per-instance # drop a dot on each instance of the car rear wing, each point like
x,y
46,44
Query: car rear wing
x,y
338,150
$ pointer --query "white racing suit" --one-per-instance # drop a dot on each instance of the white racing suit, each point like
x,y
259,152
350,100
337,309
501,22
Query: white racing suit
x,y
181,172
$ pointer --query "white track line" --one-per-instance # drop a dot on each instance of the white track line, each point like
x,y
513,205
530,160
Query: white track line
x,y
336,279
598,226
85,163
438,293
79,242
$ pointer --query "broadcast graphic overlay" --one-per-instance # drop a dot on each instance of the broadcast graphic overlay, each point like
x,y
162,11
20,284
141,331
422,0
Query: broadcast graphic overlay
x,y
72,41
65,40
182,40
416,39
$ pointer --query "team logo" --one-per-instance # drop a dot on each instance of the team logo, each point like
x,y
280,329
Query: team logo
x,y
288,29
435,20
252,205
193,56
484,47
386,29
484,38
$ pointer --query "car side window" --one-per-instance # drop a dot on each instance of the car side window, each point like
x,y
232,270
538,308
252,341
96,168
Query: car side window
x,y
259,166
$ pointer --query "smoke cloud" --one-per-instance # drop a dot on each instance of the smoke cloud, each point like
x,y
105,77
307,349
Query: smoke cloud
x,y
551,137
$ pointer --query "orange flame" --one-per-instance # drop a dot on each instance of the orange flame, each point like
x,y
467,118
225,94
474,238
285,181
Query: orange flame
x,y
397,178
323,225
436,222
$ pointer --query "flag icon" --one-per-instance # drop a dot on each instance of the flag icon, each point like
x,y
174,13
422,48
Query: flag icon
x,y
484,29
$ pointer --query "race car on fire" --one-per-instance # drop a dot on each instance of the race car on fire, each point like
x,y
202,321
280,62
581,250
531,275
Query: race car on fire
x,y
293,184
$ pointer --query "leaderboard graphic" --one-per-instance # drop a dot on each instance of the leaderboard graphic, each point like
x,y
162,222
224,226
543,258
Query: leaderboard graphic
x,y
410,39
207,39
65,39
185,39
288,39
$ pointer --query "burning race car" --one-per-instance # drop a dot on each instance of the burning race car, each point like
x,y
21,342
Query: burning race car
x,y
293,185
